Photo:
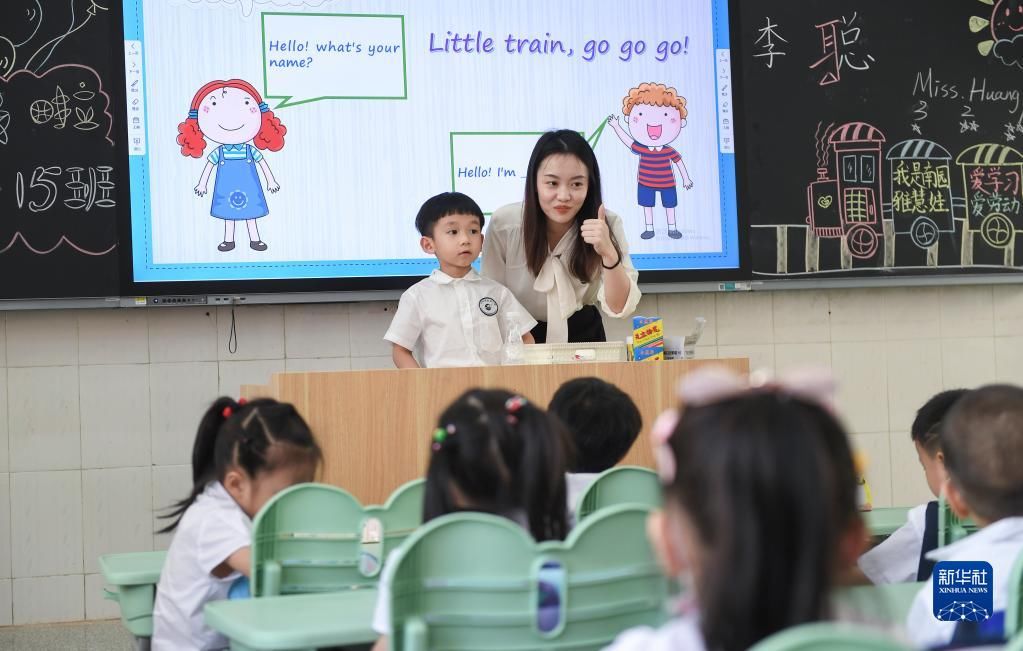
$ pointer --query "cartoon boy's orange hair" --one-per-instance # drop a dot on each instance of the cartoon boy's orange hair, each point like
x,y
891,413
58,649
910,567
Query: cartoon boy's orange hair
x,y
654,95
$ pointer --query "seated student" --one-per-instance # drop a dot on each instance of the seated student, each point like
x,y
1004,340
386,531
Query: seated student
x,y
244,454
603,423
982,440
492,452
459,317
760,514
901,557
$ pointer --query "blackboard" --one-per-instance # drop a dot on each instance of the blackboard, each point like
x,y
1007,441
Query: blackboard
x,y
61,108
882,138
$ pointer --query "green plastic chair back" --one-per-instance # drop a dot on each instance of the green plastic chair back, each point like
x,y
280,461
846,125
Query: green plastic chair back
x,y
471,581
1014,607
401,515
1015,644
827,636
951,528
307,538
620,485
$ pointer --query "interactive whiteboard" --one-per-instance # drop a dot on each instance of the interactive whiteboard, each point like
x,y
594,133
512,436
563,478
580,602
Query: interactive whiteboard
x,y
296,139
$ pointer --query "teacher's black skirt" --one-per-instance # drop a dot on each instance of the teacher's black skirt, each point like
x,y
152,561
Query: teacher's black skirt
x,y
584,326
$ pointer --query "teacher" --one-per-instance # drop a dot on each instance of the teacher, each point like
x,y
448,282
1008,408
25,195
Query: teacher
x,y
558,251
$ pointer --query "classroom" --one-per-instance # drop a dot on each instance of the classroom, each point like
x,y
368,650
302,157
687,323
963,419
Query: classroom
x,y
686,324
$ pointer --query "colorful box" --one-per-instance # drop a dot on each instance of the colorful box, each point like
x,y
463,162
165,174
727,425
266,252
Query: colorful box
x,y
647,338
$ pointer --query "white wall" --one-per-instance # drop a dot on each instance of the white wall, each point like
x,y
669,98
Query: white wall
x,y
98,408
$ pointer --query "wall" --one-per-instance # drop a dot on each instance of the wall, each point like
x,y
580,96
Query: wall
x,y
98,408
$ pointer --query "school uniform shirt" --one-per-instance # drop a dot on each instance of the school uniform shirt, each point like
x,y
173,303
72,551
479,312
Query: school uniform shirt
x,y
897,558
576,484
554,294
679,633
212,529
999,543
459,321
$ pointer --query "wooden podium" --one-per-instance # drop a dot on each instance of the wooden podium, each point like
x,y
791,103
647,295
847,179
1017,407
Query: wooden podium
x,y
375,426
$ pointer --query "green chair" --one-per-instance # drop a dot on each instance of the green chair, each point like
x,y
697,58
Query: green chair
x,y
620,485
400,516
472,581
1015,644
887,602
134,577
828,636
1014,607
319,538
950,527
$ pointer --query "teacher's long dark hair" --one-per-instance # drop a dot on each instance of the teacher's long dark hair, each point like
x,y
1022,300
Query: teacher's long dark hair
x,y
584,263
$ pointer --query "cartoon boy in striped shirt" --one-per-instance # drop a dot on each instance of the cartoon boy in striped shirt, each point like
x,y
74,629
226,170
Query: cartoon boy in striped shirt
x,y
656,116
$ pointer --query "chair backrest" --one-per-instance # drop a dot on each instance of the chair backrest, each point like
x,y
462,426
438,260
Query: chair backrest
x,y
399,517
828,636
1014,606
471,581
307,538
951,528
620,485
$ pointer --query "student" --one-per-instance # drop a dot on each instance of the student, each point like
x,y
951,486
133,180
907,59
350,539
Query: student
x,y
759,516
902,556
492,452
982,441
559,251
244,454
603,423
459,317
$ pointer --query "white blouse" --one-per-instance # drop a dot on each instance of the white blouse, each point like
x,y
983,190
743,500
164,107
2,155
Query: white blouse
x,y
555,294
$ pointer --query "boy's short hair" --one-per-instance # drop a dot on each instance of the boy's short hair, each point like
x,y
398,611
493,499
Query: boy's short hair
x,y
982,439
446,203
929,418
601,419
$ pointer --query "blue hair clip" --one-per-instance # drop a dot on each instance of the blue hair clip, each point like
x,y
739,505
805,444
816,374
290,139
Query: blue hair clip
x,y
263,108
193,114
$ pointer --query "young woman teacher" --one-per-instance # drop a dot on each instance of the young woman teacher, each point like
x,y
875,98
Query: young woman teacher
x,y
559,252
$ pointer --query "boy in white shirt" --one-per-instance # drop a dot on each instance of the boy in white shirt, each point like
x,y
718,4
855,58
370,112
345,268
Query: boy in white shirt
x,y
900,557
459,317
603,422
982,441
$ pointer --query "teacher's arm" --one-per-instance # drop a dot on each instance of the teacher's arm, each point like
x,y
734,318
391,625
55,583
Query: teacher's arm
x,y
619,290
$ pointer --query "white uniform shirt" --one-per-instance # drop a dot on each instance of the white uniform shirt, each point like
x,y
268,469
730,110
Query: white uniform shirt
x,y
679,633
555,294
576,484
459,321
999,543
897,558
212,529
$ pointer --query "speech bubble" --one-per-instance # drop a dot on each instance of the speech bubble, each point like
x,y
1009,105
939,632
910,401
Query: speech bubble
x,y
248,5
313,57
490,166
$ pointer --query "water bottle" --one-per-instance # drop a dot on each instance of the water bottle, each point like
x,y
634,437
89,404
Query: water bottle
x,y
514,351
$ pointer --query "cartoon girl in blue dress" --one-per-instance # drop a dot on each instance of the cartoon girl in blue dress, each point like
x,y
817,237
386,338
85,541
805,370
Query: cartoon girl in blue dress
x,y
233,115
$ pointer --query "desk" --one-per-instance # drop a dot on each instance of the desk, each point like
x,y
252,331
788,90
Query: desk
x,y
883,522
134,576
296,621
374,426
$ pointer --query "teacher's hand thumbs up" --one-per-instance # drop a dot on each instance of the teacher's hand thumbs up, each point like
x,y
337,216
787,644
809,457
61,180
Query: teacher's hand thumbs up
x,y
596,233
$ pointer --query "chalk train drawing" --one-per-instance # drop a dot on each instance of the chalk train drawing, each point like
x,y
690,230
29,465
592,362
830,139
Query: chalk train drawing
x,y
1006,23
921,191
994,196
845,199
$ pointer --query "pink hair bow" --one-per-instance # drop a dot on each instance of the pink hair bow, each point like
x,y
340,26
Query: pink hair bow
x,y
712,384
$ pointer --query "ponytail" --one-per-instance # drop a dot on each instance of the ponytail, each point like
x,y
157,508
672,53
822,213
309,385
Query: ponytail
x,y
496,453
256,436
